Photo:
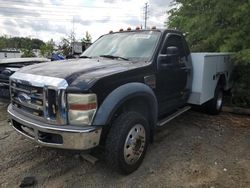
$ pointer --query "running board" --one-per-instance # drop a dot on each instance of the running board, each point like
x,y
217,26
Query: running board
x,y
172,116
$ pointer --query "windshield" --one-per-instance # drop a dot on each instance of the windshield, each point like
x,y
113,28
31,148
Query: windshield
x,y
127,45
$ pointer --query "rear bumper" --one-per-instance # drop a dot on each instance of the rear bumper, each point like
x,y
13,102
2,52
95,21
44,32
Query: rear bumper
x,y
67,137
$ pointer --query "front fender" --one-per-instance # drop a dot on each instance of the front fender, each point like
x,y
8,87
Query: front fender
x,y
121,94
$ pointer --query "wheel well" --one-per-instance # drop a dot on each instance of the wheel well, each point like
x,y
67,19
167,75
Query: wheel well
x,y
137,104
222,81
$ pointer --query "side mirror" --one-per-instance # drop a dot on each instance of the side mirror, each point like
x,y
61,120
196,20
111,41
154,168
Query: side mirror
x,y
173,50
171,57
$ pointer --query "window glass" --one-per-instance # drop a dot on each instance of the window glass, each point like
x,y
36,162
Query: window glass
x,y
175,40
131,45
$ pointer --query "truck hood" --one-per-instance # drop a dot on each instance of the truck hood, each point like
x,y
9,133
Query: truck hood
x,y
83,70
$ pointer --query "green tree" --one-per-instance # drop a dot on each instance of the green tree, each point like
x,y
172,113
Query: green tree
x,y
3,40
19,42
28,53
218,26
47,49
213,25
87,39
64,47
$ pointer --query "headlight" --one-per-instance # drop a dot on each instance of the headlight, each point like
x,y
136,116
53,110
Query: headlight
x,y
6,72
81,108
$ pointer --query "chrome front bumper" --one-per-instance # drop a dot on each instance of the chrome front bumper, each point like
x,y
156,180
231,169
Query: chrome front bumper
x,y
67,137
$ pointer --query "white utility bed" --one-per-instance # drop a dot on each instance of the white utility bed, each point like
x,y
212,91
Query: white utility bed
x,y
207,69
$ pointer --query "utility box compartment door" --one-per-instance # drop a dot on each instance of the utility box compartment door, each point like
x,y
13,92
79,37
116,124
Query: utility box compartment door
x,y
209,80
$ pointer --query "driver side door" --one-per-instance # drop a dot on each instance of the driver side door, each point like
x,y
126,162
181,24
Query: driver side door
x,y
171,77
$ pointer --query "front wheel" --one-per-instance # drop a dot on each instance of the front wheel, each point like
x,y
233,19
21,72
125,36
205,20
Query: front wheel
x,y
127,142
215,105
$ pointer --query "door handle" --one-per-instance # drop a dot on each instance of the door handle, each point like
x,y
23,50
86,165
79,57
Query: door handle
x,y
185,69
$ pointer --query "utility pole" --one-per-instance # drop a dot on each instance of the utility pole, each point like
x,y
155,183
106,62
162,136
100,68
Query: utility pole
x,y
73,36
146,14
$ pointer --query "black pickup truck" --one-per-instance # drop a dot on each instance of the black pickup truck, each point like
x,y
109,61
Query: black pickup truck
x,y
114,96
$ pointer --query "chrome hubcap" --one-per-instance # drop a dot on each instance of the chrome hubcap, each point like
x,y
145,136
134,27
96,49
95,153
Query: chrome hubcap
x,y
134,144
219,101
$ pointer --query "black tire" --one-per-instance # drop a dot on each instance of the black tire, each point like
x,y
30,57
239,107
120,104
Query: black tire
x,y
119,134
214,106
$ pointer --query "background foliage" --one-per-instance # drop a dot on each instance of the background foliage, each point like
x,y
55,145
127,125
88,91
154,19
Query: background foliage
x,y
19,43
27,45
27,52
47,49
218,26
87,38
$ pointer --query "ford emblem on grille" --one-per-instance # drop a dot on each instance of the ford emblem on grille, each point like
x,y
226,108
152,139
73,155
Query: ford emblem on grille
x,y
24,98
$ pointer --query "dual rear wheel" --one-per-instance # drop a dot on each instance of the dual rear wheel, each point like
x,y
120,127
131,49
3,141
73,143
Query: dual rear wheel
x,y
214,106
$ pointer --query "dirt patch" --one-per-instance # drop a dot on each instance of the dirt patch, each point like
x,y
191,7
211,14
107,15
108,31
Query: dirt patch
x,y
194,150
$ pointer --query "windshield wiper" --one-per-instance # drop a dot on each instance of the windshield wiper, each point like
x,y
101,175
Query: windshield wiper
x,y
85,57
115,57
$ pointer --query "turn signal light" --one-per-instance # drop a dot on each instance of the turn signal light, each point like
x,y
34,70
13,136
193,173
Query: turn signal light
x,y
83,107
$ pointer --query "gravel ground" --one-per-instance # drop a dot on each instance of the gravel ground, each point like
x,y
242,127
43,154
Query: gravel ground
x,y
194,150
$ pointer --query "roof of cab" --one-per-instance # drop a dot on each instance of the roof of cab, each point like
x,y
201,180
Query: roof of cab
x,y
160,30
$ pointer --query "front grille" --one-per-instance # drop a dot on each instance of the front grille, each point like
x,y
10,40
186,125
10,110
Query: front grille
x,y
4,82
29,99
41,97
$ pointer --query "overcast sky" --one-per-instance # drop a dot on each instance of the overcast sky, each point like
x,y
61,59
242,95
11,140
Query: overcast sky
x,y
46,19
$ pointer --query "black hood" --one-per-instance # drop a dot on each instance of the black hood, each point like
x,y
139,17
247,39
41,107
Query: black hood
x,y
84,70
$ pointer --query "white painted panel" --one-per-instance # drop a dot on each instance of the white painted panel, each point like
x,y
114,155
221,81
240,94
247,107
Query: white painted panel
x,y
209,80
197,62
9,55
206,70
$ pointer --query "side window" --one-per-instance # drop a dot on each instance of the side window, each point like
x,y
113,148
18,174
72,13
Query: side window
x,y
174,40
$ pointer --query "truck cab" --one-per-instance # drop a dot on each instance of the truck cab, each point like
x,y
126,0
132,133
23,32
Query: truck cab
x,y
123,86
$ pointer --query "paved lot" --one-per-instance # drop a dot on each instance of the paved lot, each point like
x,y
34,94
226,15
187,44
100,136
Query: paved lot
x,y
194,150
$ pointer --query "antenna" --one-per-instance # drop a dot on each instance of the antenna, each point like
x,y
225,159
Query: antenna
x,y
146,15
73,35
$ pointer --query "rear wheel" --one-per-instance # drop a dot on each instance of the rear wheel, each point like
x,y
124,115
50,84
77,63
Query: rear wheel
x,y
127,142
214,106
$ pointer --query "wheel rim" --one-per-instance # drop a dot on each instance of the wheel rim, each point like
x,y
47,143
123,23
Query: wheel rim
x,y
134,144
219,101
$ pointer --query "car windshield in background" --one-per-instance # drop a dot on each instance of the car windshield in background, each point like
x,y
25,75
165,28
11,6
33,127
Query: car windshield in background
x,y
125,46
